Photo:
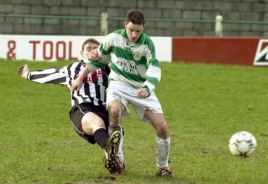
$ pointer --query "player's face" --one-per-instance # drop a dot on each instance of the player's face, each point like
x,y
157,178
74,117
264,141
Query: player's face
x,y
133,31
87,48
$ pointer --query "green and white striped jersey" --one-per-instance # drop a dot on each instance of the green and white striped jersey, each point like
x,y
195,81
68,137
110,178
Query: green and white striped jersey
x,y
134,63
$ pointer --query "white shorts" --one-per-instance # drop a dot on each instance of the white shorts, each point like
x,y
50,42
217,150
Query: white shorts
x,y
125,93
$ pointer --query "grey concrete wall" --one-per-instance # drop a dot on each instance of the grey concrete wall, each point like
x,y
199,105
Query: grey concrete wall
x,y
238,10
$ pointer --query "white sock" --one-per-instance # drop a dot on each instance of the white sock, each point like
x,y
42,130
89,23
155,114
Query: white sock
x,y
120,149
110,131
106,154
162,152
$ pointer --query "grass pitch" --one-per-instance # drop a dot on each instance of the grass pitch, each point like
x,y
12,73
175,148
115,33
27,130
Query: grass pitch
x,y
203,104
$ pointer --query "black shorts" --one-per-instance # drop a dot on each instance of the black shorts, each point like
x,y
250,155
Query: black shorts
x,y
77,113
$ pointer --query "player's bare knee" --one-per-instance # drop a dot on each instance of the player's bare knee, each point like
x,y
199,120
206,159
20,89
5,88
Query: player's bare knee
x,y
114,113
87,128
114,110
162,130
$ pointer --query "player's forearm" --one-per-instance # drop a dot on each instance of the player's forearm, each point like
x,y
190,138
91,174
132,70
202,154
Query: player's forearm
x,y
153,77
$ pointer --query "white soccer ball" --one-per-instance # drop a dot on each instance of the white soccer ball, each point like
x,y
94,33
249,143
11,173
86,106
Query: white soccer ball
x,y
242,144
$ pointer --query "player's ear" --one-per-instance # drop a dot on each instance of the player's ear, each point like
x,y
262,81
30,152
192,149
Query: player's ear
x,y
81,53
125,24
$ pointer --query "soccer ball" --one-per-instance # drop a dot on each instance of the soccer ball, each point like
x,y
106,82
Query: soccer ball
x,y
242,144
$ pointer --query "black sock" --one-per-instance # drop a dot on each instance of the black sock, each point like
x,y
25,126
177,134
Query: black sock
x,y
101,137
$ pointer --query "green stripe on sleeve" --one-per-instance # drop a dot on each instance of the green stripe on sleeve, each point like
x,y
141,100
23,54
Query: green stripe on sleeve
x,y
105,52
97,64
152,80
155,62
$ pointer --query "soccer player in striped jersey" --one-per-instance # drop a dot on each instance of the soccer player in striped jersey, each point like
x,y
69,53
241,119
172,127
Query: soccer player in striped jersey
x,y
135,72
88,114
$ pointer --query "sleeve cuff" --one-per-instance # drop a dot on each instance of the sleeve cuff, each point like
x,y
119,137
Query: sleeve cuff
x,y
28,77
96,64
149,86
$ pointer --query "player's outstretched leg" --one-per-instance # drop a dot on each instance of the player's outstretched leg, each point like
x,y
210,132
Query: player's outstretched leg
x,y
113,162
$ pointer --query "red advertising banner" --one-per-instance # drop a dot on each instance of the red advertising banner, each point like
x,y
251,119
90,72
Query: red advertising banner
x,y
226,50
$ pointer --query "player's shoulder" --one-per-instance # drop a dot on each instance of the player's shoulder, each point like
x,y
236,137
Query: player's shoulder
x,y
74,65
147,38
118,31
115,36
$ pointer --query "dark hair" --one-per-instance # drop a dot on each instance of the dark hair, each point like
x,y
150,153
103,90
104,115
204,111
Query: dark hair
x,y
90,40
135,16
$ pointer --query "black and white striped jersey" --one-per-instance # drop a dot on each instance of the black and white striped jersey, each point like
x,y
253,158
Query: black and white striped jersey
x,y
92,91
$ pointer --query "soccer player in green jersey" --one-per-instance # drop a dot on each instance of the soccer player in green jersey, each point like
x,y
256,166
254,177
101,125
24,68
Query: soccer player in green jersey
x,y
135,72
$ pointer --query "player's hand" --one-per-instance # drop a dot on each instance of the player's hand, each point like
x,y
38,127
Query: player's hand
x,y
142,93
94,55
76,85
23,71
